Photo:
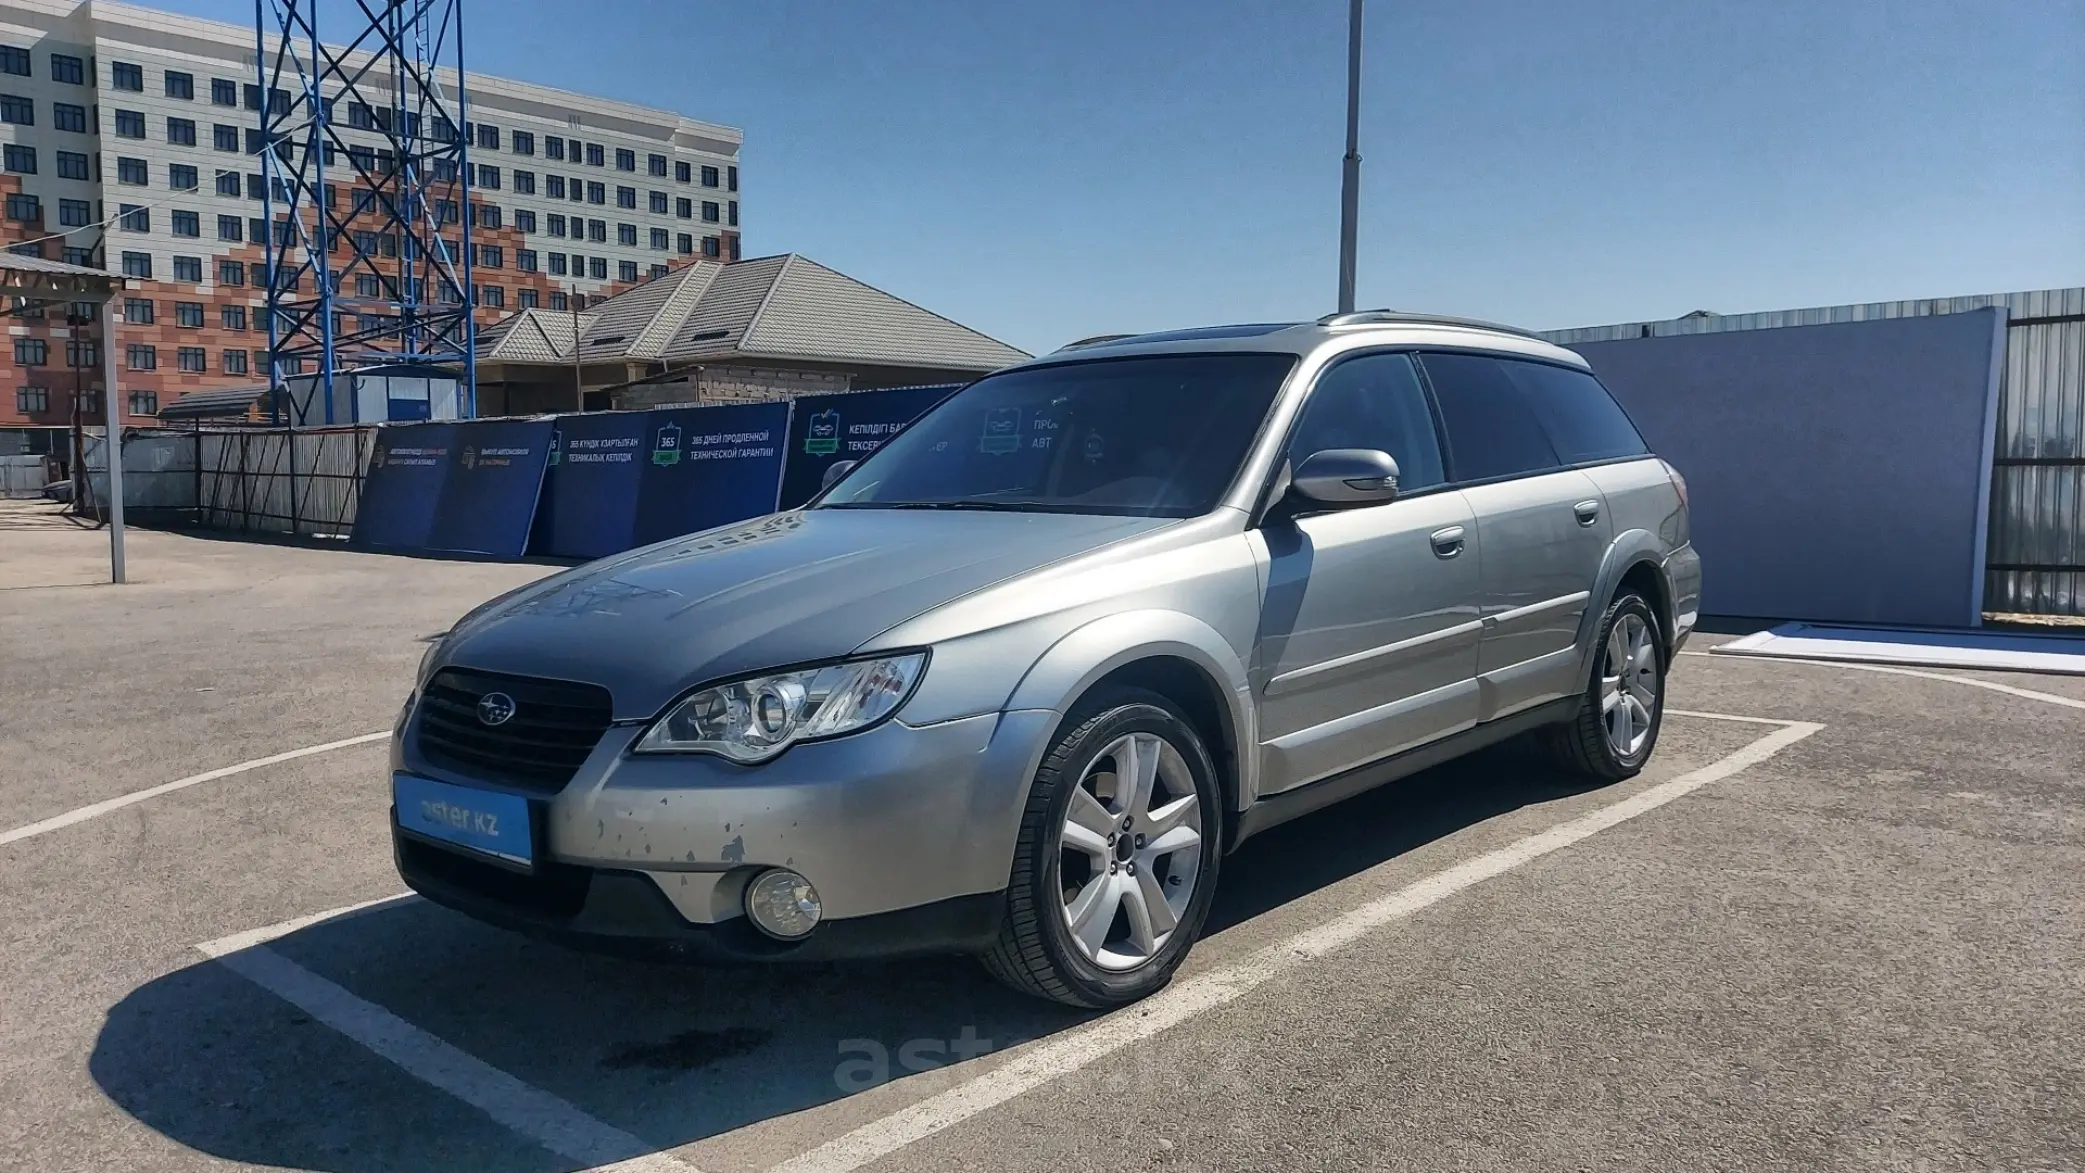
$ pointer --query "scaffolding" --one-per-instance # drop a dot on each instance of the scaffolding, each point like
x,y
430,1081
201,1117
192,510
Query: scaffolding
x,y
365,155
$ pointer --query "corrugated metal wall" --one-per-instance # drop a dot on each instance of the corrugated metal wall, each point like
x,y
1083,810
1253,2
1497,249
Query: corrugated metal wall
x,y
2035,560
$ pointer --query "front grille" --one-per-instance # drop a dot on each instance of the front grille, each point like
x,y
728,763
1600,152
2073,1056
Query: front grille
x,y
556,724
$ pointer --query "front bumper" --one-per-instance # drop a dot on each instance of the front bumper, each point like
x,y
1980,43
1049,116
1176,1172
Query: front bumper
x,y
907,833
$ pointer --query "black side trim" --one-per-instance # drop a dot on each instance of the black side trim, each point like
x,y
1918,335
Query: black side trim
x,y
1276,809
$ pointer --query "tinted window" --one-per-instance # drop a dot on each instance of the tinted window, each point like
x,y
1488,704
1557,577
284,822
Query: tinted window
x,y
1372,402
1491,430
1143,437
1582,420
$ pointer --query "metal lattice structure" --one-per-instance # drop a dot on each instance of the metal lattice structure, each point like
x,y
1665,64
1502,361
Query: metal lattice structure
x,y
366,159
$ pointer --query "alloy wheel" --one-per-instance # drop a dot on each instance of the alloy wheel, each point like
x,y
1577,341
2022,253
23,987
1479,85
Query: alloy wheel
x,y
1629,685
1130,851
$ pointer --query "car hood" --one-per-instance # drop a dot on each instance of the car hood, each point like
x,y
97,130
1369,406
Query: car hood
x,y
775,591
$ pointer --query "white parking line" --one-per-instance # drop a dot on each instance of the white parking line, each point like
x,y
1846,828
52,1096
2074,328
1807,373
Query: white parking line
x,y
563,1128
96,810
1208,991
2048,698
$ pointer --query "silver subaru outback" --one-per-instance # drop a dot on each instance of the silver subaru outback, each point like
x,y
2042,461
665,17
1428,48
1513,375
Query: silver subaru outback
x,y
1017,682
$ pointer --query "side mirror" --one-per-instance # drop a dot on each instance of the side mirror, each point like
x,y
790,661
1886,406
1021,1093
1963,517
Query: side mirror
x,y
834,472
1346,476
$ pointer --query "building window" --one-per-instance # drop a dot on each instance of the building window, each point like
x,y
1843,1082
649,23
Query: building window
x,y
731,213
445,211
525,299
130,124
137,311
625,160
230,228
71,165
181,131
626,234
681,171
14,61
75,213
144,402
20,159
137,264
597,230
32,399
709,177
20,111
557,264
191,358
140,357
234,362
68,69
492,295
231,272
228,184
712,247
525,259
368,285
557,300
181,177
555,224
488,137
553,147
524,182
596,193
124,75
554,186
189,315
684,244
25,209
655,165
597,268
492,256
256,230
659,271
734,248
661,239
188,268
731,178
180,85
658,202
187,224
488,176
83,257
129,170
66,116
224,92
524,143
684,208
31,352
711,213
232,317
133,218
596,155
525,221
224,138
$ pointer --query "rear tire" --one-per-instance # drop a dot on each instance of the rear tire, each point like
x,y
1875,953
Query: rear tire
x,y
1096,916
1616,726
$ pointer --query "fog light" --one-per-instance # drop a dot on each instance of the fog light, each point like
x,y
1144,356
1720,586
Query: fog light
x,y
783,904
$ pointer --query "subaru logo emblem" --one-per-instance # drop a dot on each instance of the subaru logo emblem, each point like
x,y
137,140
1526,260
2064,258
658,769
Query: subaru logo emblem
x,y
495,708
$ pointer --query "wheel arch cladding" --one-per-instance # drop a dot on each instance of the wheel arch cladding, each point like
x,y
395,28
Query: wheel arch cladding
x,y
1173,654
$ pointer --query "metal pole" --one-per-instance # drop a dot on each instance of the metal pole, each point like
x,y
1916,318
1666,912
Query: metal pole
x,y
1350,177
112,445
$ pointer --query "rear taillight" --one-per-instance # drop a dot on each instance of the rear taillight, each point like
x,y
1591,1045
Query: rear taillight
x,y
1679,483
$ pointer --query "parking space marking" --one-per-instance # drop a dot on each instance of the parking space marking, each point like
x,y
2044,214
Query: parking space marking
x,y
96,810
1697,714
528,1111
1208,991
1989,685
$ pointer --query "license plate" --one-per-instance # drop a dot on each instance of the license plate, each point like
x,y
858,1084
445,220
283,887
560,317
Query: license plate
x,y
484,821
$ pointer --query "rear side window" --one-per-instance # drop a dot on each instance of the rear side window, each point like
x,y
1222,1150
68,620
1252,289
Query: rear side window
x,y
1582,420
1492,432
1373,402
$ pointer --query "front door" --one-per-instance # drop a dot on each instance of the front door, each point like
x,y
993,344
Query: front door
x,y
1369,618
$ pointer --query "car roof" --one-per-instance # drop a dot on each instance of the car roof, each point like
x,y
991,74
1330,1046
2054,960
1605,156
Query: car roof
x,y
1335,332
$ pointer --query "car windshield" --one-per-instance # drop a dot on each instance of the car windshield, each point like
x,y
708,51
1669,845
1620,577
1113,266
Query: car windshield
x,y
1137,436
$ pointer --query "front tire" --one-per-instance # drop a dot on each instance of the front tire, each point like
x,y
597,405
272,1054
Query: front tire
x,y
1116,863
1616,727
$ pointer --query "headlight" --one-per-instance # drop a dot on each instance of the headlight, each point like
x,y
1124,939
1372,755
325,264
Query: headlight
x,y
754,719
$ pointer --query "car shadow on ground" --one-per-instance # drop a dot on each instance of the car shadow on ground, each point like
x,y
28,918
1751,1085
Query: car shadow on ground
x,y
670,1054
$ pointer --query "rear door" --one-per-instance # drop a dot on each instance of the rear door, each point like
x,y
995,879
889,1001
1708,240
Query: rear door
x,y
1369,623
1542,531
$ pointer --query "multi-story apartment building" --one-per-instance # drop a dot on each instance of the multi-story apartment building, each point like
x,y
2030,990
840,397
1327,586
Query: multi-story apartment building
x,y
131,142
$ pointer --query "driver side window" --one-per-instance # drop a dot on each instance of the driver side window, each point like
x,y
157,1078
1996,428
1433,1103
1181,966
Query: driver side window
x,y
1373,401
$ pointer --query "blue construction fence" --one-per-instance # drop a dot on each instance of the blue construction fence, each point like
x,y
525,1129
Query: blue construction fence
x,y
593,484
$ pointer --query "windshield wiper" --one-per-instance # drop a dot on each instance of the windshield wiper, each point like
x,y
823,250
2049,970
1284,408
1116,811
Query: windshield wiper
x,y
986,506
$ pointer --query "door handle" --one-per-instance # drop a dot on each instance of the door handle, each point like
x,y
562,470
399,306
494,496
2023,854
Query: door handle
x,y
1588,512
1447,543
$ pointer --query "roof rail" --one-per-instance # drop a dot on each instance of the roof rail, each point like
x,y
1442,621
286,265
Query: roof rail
x,y
1404,318
1096,340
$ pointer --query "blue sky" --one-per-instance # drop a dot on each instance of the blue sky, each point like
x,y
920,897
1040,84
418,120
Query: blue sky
x,y
1047,171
